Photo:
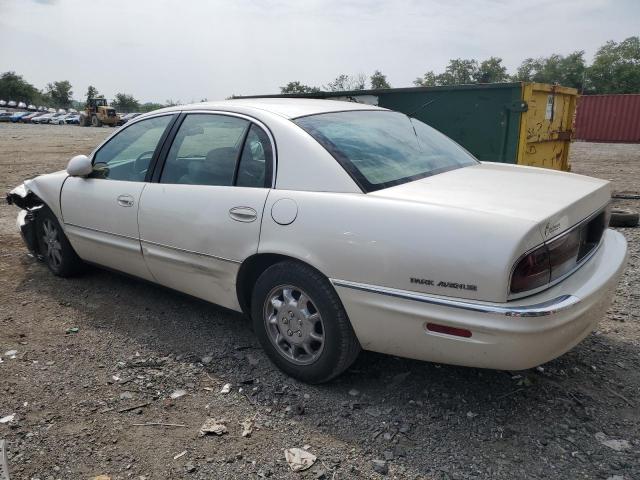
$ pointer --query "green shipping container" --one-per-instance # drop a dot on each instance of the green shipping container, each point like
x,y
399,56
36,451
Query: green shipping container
x,y
523,123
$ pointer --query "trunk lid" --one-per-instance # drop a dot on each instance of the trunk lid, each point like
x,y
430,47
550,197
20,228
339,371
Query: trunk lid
x,y
550,199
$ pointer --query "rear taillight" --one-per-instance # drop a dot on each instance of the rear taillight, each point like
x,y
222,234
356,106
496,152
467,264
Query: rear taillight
x,y
532,271
563,253
560,256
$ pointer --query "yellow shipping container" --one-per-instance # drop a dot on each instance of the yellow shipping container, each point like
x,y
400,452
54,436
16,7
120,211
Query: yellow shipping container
x,y
546,126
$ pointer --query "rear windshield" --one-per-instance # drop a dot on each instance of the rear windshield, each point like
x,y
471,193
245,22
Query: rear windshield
x,y
380,149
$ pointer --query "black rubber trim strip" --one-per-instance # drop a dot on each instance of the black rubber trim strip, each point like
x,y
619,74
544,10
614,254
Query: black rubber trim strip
x,y
167,141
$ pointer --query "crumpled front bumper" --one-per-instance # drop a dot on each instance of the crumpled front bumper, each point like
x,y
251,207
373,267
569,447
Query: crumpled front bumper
x,y
27,227
24,198
509,336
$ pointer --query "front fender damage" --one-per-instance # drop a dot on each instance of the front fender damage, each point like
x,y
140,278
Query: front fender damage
x,y
30,204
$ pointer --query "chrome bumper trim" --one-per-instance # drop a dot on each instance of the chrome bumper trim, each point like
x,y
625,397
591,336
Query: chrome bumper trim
x,y
553,306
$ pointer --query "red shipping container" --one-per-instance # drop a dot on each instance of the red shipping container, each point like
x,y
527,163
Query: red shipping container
x,y
608,118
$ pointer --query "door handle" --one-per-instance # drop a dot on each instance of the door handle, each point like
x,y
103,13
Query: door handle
x,y
243,214
125,201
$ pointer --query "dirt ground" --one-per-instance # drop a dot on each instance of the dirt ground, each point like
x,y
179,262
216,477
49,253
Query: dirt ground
x,y
79,398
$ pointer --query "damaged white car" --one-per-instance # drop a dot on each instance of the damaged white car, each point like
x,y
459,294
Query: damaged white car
x,y
337,227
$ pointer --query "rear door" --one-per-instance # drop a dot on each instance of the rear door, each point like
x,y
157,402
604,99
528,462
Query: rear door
x,y
100,212
202,218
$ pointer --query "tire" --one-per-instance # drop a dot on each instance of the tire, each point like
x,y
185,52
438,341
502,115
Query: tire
x,y
321,317
83,121
623,218
95,121
54,247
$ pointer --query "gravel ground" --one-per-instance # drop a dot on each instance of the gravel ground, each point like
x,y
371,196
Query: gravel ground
x,y
79,396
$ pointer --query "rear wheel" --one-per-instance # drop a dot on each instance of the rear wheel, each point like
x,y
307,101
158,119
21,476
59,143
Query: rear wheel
x,y
302,324
54,246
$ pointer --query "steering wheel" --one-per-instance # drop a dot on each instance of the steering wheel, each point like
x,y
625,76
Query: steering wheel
x,y
137,164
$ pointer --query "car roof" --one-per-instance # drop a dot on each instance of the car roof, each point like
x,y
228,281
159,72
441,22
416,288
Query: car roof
x,y
284,107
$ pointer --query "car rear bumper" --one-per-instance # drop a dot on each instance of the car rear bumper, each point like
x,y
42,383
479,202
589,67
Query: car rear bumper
x,y
511,336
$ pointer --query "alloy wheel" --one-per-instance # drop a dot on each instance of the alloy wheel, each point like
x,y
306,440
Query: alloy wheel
x,y
52,245
294,324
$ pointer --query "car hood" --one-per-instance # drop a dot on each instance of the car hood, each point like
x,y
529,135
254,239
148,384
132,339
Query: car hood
x,y
554,200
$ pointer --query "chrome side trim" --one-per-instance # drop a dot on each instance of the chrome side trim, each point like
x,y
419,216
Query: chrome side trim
x,y
190,251
102,239
563,302
156,244
101,231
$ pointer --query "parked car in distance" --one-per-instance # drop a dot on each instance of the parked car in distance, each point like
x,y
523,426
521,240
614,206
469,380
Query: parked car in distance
x,y
127,117
12,104
44,118
17,116
5,116
22,105
32,108
28,118
337,226
73,119
3,103
62,120
41,109
58,119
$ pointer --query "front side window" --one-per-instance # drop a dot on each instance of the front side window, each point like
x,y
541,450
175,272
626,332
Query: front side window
x,y
127,155
205,150
380,149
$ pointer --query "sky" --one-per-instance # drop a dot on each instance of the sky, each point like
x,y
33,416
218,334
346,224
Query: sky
x,y
189,50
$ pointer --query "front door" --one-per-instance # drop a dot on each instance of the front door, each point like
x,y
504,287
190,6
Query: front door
x,y
202,219
100,212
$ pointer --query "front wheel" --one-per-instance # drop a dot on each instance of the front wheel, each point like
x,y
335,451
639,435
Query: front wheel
x,y
302,324
54,247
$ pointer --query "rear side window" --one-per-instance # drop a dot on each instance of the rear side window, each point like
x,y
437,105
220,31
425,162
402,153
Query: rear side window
x,y
256,160
205,150
219,150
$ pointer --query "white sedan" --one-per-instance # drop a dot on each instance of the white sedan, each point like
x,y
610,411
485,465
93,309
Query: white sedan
x,y
337,227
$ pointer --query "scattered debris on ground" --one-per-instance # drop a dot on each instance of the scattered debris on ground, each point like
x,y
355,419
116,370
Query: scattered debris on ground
x,y
412,420
212,426
299,459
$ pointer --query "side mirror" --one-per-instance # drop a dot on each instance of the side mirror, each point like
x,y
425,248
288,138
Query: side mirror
x,y
79,166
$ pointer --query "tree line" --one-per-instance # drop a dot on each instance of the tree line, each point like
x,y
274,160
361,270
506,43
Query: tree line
x,y
615,69
14,87
59,94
